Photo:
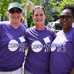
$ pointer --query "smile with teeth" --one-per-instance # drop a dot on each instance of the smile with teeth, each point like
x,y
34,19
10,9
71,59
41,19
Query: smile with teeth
x,y
39,20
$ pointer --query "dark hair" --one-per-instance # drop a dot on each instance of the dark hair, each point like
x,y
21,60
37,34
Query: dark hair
x,y
15,10
37,7
71,7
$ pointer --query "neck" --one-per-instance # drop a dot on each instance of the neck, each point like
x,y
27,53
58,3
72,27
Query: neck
x,y
14,25
40,27
66,29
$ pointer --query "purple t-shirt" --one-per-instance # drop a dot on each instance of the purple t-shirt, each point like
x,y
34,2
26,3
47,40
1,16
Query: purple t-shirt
x,y
39,42
11,47
62,56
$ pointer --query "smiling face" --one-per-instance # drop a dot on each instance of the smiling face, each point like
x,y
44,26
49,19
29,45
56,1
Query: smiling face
x,y
15,16
66,19
38,16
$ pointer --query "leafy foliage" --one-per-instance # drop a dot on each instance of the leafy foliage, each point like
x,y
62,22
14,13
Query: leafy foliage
x,y
52,8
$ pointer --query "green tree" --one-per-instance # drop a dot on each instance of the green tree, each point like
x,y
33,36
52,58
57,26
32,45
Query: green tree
x,y
3,8
52,8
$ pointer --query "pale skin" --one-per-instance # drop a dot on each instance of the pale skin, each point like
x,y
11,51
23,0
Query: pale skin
x,y
39,18
14,19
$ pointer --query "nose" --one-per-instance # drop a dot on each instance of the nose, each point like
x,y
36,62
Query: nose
x,y
64,19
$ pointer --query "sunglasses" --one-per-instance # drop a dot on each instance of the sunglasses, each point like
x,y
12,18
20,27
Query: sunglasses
x,y
65,16
13,10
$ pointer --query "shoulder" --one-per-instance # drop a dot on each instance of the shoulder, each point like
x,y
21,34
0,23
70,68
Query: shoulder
x,y
73,30
2,25
2,28
30,29
60,32
51,31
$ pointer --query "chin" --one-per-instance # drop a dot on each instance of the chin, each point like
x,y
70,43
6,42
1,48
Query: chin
x,y
40,23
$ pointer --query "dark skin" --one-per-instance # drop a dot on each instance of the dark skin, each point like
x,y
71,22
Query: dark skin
x,y
66,20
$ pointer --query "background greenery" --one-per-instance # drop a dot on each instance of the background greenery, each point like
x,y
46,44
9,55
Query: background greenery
x,y
52,8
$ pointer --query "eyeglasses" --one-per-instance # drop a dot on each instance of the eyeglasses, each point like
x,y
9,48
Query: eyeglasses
x,y
13,10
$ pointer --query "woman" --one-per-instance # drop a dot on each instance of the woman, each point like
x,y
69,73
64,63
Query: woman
x,y
12,41
62,48
39,41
